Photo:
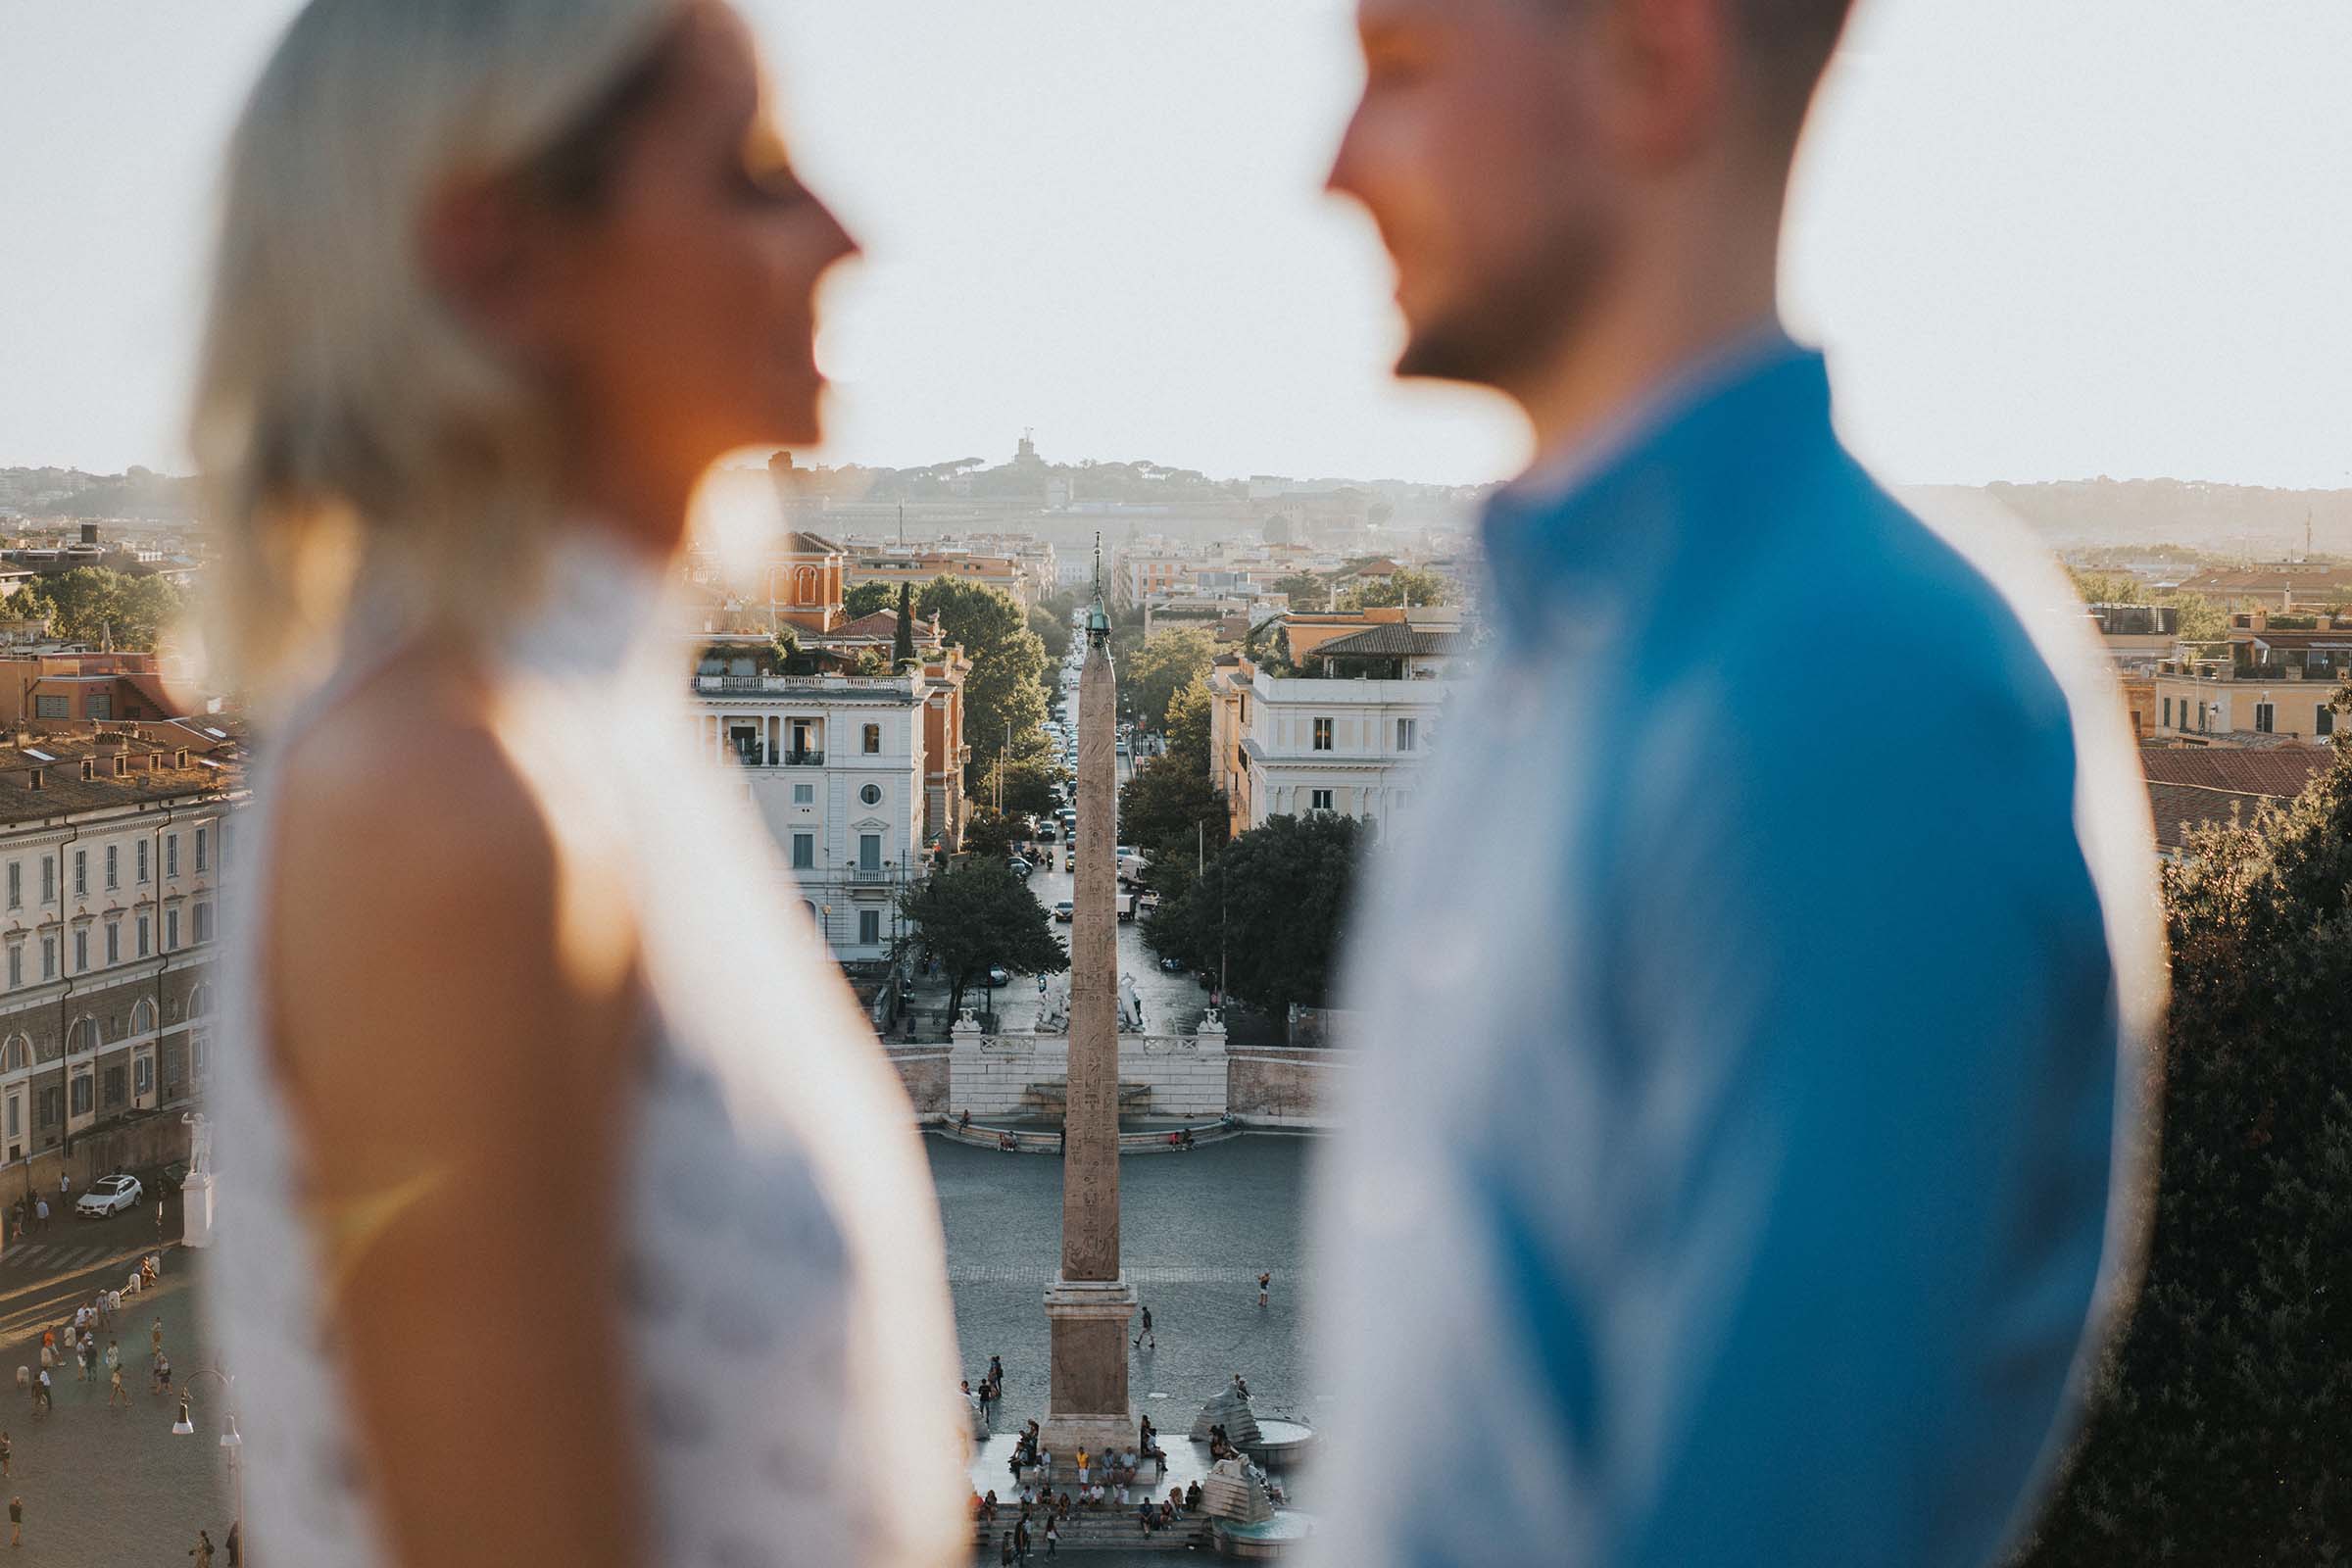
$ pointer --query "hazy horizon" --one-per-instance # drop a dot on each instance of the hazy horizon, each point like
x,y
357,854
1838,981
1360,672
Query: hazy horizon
x,y
2038,244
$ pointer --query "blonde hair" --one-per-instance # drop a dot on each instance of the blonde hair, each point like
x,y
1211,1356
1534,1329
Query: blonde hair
x,y
341,410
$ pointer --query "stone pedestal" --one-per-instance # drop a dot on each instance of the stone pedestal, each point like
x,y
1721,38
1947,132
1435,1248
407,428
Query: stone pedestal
x,y
1086,1401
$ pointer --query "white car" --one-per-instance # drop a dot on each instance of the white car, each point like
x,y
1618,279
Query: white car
x,y
110,1195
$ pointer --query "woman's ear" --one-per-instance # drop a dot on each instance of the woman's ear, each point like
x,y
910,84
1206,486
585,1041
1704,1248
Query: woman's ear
x,y
482,251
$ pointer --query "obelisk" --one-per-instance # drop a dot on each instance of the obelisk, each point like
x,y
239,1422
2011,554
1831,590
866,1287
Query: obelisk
x,y
1090,1304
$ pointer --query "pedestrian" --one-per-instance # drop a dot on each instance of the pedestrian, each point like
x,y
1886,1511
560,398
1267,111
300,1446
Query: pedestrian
x,y
5,1452
40,1214
1265,1278
16,1521
117,1395
236,1543
1145,1333
43,1399
64,1189
156,1336
202,1551
1004,1550
113,1354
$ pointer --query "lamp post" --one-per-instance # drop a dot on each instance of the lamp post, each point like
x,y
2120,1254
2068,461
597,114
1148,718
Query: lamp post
x,y
230,1439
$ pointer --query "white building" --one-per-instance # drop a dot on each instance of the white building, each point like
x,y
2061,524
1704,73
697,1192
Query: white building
x,y
112,845
836,767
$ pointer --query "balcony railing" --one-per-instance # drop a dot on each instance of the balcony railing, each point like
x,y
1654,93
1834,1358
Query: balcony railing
x,y
869,873
804,758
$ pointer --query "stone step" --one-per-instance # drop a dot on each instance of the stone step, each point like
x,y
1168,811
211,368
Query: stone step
x,y
1086,1532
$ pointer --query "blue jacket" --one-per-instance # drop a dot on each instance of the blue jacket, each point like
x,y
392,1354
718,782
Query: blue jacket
x,y
1728,1177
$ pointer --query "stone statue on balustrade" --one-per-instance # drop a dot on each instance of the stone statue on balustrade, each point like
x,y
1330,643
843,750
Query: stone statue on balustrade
x,y
1053,1005
1131,1006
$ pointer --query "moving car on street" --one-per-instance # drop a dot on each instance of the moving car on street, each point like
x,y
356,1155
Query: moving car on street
x,y
1065,912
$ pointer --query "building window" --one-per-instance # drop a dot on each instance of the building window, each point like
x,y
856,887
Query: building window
x,y
48,958
869,927
15,885
871,795
113,941
138,862
1322,734
143,1076
1408,734
2323,721
203,847
48,880
81,1095
873,740
200,1054
81,950
81,873
2263,712
869,852
114,866
2168,712
16,964
100,706
47,1115
1318,800
143,942
204,921
804,851
51,708
804,795
171,930
171,855
16,1116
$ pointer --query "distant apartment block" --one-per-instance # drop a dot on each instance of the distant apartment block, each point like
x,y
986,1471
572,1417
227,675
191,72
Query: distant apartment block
x,y
2275,681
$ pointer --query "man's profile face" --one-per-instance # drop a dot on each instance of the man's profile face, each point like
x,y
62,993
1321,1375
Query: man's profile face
x,y
1477,153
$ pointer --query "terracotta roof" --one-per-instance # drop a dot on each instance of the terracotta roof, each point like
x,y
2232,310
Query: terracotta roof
x,y
1389,639
2278,771
798,543
881,623
2182,808
64,791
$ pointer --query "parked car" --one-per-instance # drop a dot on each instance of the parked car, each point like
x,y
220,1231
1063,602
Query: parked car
x,y
1046,835
999,975
109,1194
170,1178
1019,868
1065,912
1172,965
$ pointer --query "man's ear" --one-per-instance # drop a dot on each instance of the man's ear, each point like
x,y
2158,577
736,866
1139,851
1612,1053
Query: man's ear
x,y
1668,68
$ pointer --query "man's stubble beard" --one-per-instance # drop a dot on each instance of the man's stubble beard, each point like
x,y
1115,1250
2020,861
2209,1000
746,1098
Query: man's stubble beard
x,y
1508,329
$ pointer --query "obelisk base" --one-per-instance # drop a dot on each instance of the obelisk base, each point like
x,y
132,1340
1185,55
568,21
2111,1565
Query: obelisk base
x,y
1087,1401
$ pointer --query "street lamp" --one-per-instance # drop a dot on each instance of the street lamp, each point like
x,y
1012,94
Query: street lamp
x,y
231,1438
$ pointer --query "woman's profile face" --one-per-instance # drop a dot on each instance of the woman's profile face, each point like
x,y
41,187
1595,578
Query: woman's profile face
x,y
685,322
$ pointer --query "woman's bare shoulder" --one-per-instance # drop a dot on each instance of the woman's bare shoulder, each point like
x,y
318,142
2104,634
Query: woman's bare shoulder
x,y
405,785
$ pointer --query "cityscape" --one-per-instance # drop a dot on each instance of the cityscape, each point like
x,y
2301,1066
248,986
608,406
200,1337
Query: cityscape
x,y
894,683
1365,783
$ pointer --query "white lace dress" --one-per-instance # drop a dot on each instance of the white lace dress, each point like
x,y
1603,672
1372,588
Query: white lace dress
x,y
780,1212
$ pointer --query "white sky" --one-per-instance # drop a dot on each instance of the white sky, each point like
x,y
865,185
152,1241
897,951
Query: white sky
x,y
2041,241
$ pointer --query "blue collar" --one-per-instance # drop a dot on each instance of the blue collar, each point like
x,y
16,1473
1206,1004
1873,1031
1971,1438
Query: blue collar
x,y
1637,496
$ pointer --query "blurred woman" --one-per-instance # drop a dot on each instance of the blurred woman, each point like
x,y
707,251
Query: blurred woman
x,y
536,1072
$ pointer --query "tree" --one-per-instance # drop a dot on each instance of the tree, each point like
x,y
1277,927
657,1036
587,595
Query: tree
x,y
988,834
1173,813
978,914
1306,591
97,605
1406,585
2220,1429
1031,770
1053,630
901,641
868,598
1004,687
1272,906
1167,663
1188,727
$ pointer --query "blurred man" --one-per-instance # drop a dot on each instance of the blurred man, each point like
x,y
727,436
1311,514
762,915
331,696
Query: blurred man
x,y
1729,1177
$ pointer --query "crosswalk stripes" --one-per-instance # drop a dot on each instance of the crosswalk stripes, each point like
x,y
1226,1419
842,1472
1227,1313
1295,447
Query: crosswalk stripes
x,y
54,1257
